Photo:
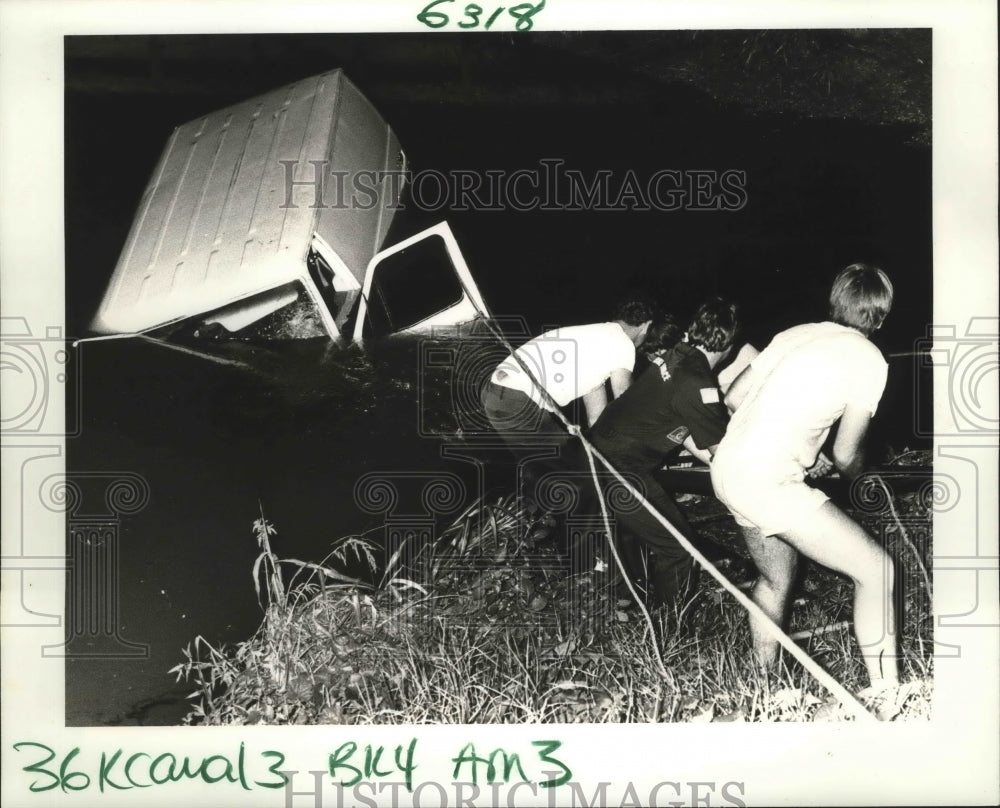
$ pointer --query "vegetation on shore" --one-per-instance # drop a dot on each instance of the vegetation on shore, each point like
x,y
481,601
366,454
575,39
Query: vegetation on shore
x,y
492,624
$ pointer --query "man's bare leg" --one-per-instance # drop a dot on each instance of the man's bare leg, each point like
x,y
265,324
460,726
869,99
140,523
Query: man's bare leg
x,y
835,540
776,562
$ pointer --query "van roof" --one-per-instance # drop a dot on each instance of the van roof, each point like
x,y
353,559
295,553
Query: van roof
x,y
219,220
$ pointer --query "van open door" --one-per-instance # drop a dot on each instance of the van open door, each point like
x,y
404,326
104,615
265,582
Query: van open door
x,y
420,285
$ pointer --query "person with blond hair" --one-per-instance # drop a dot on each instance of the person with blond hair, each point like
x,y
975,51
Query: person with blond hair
x,y
784,405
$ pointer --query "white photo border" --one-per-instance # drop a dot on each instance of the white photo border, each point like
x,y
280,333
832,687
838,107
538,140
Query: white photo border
x,y
950,760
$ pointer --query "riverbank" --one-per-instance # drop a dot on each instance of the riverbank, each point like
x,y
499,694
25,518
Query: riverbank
x,y
492,624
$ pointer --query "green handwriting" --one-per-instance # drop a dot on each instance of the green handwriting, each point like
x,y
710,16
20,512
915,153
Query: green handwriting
x,y
141,769
472,15
372,766
499,765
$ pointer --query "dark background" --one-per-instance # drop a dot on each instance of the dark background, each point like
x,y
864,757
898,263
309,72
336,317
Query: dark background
x,y
838,170
824,189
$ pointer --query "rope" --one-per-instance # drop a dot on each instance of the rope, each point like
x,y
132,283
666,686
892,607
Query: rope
x,y
106,337
575,431
191,352
144,335
618,562
901,354
852,705
846,698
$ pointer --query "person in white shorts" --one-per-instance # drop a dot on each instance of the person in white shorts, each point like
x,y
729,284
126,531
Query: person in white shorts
x,y
784,404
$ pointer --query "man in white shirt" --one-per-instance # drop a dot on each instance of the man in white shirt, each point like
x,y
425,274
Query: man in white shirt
x,y
553,370
784,404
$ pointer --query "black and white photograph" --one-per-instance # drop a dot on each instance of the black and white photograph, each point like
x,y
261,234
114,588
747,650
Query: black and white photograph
x,y
474,403
282,395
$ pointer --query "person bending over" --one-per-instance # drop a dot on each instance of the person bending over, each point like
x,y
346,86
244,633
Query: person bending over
x,y
675,402
577,362
784,404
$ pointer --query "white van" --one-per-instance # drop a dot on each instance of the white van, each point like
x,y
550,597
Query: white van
x,y
281,204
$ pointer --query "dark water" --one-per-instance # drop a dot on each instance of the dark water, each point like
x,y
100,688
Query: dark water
x,y
216,447
216,443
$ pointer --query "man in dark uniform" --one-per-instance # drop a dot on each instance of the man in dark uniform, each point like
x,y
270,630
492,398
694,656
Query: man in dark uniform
x,y
673,403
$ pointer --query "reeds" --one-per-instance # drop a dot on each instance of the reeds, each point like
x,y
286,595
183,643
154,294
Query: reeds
x,y
487,626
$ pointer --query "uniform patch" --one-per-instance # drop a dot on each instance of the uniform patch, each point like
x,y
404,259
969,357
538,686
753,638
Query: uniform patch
x,y
678,435
709,395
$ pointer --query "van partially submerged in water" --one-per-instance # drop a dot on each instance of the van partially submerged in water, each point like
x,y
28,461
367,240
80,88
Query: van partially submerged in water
x,y
267,218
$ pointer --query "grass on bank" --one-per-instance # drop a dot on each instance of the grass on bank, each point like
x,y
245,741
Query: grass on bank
x,y
490,625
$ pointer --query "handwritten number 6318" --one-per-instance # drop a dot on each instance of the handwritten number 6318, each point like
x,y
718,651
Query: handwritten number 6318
x,y
523,13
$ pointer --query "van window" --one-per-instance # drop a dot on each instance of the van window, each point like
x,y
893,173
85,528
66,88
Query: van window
x,y
409,286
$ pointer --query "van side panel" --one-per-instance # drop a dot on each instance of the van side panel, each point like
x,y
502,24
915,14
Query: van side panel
x,y
366,177
232,206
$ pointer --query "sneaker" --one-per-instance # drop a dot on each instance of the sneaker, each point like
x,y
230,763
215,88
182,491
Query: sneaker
x,y
887,698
